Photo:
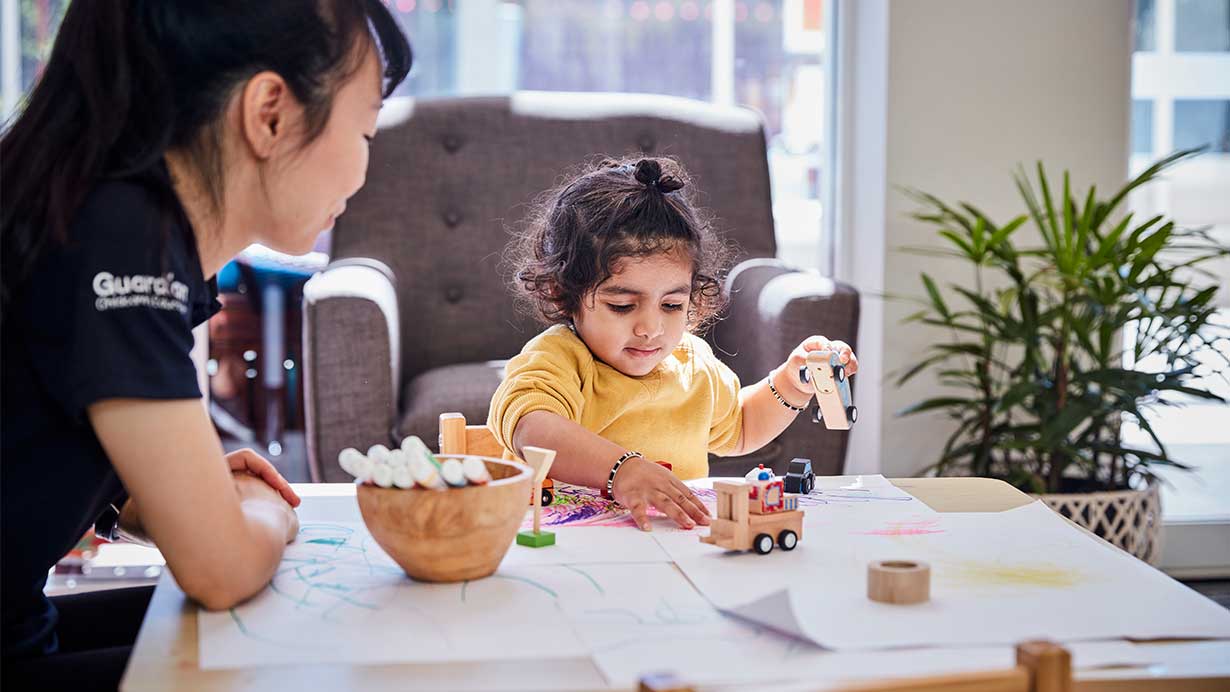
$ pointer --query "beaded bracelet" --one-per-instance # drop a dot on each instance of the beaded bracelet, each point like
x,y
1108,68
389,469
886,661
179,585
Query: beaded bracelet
x,y
610,479
783,402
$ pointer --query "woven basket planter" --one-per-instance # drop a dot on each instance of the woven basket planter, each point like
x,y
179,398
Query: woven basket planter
x,y
1128,519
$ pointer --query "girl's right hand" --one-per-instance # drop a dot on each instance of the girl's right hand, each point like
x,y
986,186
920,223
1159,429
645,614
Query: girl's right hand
x,y
641,484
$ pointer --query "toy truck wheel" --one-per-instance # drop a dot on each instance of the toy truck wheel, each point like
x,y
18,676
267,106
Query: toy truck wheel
x,y
547,497
815,414
839,372
804,375
808,484
852,413
763,543
787,539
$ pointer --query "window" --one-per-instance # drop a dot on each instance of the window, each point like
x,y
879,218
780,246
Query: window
x,y
1202,123
1145,25
1180,100
1142,127
1202,26
765,54
27,30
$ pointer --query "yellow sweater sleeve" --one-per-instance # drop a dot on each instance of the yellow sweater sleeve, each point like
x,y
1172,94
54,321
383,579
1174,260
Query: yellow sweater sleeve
x,y
546,376
726,427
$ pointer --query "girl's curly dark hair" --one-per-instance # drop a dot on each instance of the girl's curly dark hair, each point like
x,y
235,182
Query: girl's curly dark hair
x,y
577,232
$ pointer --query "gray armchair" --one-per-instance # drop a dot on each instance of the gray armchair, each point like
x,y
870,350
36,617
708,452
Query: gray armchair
x,y
413,318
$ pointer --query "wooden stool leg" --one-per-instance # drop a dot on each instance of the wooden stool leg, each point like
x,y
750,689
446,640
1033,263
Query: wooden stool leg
x,y
1049,665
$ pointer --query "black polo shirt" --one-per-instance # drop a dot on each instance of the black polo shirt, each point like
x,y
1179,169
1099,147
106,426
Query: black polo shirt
x,y
109,315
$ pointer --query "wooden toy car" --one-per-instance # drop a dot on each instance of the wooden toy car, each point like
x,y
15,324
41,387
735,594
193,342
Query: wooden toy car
x,y
753,516
458,438
799,477
834,403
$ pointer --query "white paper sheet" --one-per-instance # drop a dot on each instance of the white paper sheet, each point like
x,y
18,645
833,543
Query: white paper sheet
x,y
338,597
996,578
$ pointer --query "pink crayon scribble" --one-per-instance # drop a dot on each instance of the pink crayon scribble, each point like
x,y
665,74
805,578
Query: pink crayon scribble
x,y
905,528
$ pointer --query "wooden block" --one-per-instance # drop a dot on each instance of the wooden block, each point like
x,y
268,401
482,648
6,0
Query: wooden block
x,y
899,582
535,539
540,460
452,433
1049,665
480,442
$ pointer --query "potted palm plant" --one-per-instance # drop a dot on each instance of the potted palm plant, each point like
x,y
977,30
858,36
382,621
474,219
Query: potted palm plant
x,y
1041,368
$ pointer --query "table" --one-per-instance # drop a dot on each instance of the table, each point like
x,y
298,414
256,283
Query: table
x,y
165,655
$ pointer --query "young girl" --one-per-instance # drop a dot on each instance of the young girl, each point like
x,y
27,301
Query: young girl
x,y
625,267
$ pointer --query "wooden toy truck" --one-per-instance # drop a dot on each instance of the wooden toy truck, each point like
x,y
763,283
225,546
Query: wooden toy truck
x,y
753,516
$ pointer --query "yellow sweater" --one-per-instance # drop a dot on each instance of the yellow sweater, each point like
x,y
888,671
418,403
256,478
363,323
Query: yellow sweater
x,y
687,407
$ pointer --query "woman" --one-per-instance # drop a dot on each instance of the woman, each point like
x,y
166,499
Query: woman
x,y
162,139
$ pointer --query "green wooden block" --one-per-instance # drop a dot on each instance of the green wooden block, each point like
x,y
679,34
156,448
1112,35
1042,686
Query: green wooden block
x,y
536,540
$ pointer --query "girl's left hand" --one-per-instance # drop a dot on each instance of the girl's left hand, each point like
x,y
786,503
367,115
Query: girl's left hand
x,y
798,359
246,460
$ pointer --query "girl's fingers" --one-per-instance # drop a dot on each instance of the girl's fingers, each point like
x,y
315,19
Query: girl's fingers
x,y
670,507
640,514
690,503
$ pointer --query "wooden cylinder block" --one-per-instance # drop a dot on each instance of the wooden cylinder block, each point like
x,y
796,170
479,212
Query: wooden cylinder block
x,y
899,581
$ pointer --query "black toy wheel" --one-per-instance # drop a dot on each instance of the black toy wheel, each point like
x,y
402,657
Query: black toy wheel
x,y
787,539
852,413
763,543
839,372
808,485
547,497
815,413
804,374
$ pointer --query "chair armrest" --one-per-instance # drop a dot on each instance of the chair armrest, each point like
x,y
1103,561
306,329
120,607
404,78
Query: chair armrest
x,y
773,307
352,362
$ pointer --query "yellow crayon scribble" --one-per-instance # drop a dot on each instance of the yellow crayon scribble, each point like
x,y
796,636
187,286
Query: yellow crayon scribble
x,y
1000,574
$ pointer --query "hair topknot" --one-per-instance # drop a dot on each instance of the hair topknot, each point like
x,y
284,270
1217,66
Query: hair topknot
x,y
577,234
649,173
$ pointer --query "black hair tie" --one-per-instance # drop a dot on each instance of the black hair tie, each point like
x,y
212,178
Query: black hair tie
x,y
649,173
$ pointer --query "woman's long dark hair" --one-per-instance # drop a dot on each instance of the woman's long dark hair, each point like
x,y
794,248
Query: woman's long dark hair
x,y
129,79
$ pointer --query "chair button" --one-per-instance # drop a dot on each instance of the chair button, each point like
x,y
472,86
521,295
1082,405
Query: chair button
x,y
453,294
646,142
452,143
452,218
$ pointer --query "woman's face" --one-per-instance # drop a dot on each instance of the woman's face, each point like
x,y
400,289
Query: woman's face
x,y
308,190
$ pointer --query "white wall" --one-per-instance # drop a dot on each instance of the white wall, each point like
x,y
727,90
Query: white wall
x,y
949,96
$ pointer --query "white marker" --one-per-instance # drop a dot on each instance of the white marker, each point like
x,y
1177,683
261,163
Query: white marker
x,y
413,447
476,471
453,473
402,477
382,475
348,459
397,458
379,454
363,469
425,474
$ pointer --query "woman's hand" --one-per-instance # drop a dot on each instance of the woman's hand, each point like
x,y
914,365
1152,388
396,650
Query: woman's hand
x,y
255,489
798,359
641,484
246,460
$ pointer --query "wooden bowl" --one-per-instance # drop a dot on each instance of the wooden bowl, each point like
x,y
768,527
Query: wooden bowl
x,y
454,534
